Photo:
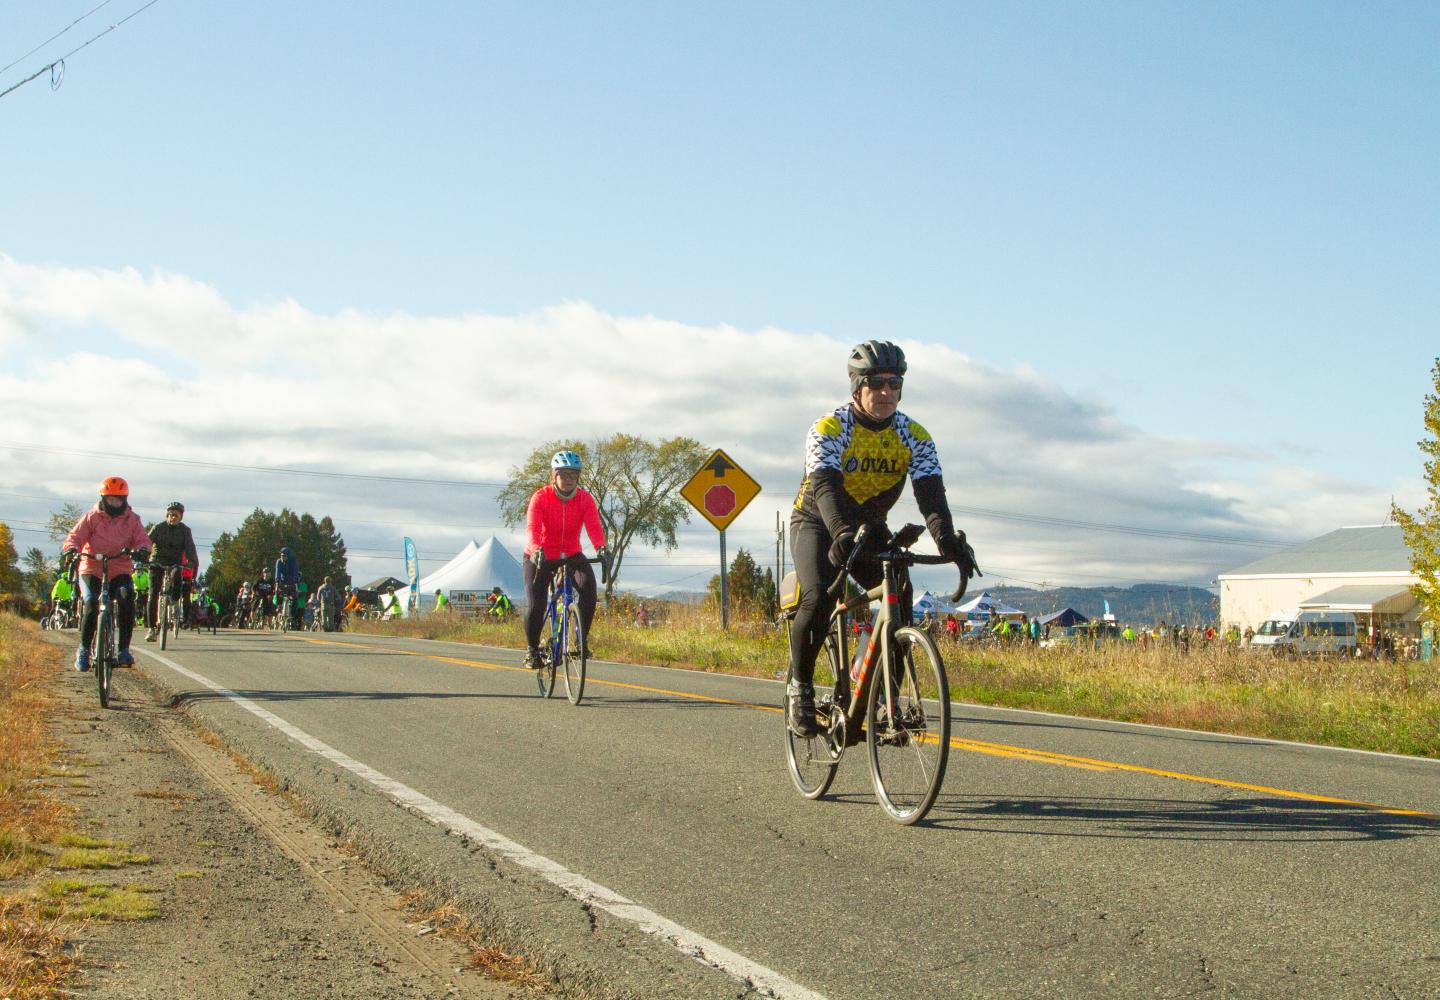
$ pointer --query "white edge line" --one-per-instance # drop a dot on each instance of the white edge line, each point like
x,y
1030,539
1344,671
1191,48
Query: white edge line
x,y
688,942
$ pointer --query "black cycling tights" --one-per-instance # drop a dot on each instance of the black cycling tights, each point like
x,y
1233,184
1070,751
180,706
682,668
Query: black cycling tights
x,y
122,592
810,547
537,590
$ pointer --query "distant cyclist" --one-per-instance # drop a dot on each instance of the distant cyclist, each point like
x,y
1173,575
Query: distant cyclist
x,y
500,604
174,548
263,607
287,582
107,529
61,594
856,462
552,526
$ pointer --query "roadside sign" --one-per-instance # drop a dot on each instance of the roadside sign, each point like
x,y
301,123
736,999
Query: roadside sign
x,y
720,490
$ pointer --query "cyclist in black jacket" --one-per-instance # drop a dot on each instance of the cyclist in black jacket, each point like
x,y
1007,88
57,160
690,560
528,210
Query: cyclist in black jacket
x,y
856,462
173,544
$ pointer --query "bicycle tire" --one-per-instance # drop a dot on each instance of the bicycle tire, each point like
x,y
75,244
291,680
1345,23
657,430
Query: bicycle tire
x,y
100,659
164,615
574,655
812,760
909,745
285,616
545,672
177,616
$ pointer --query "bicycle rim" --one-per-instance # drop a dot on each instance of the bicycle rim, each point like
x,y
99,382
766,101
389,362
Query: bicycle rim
x,y
908,735
100,659
574,656
812,760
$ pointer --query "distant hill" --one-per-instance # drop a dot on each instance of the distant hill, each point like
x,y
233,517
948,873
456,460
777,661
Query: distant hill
x,y
1144,603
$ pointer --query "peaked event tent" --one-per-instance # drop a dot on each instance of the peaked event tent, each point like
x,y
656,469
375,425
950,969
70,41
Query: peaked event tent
x,y
1067,616
929,601
476,567
982,604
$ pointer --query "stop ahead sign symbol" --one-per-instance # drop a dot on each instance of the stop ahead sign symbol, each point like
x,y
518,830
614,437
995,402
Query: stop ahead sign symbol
x,y
719,500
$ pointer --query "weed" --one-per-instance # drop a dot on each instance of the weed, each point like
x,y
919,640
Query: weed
x,y
78,899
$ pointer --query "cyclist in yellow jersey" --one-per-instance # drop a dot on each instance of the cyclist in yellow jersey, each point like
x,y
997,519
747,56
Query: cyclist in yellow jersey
x,y
856,462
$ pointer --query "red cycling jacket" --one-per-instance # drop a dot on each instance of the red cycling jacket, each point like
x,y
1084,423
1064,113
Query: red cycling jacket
x,y
554,524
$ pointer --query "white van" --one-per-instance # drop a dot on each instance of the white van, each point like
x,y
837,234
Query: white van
x,y
1319,633
1272,632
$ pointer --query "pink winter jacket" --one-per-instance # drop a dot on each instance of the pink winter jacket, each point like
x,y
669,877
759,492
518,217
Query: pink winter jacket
x,y
99,533
554,524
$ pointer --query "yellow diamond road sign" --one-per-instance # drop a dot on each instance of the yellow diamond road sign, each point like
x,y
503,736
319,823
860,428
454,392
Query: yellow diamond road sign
x,y
720,490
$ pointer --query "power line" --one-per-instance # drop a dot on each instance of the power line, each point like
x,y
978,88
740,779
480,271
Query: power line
x,y
54,36
55,78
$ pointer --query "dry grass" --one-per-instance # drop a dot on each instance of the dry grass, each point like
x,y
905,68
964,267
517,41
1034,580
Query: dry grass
x,y
34,962
493,960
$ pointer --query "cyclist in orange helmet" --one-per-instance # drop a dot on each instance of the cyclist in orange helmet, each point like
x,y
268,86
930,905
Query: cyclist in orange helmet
x,y
107,529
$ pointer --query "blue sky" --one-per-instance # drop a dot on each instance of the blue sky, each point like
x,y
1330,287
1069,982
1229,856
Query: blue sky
x,y
1211,227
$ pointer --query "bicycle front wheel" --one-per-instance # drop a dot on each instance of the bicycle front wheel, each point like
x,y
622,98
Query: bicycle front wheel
x,y
813,760
907,727
177,615
574,655
285,617
102,660
164,622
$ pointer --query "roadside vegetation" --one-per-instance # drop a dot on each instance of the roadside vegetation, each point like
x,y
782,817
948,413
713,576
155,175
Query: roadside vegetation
x,y
1365,704
38,907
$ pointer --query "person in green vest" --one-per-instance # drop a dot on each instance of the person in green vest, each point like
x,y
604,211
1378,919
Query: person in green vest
x,y
1128,635
441,601
61,596
141,576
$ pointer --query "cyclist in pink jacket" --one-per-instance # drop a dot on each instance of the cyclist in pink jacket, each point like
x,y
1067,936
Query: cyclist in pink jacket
x,y
552,527
109,528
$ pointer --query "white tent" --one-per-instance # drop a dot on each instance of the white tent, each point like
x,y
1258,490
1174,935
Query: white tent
x,y
982,604
934,603
468,577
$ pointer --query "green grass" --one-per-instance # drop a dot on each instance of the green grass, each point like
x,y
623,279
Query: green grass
x,y
78,899
1364,704
81,851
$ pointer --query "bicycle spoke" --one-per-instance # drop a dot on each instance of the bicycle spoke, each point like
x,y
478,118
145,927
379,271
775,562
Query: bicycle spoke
x,y
909,741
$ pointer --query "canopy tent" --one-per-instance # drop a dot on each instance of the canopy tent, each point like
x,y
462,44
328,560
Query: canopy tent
x,y
933,603
982,605
472,573
1064,617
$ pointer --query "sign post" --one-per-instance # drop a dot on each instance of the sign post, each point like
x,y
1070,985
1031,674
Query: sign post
x,y
720,490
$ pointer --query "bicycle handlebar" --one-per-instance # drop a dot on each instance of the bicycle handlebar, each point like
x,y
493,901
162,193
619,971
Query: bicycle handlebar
x,y
560,564
898,552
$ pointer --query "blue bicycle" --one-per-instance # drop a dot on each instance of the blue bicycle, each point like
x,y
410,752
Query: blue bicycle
x,y
565,645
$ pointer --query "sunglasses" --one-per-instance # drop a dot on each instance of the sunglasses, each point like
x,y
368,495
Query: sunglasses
x,y
878,382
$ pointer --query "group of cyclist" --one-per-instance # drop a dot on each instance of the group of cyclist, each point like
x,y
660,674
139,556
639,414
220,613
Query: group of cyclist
x,y
857,459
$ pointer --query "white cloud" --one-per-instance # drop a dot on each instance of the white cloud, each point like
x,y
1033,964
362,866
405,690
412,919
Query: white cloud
x,y
117,362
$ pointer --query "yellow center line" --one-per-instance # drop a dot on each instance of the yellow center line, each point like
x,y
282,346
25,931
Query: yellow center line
x,y
1028,754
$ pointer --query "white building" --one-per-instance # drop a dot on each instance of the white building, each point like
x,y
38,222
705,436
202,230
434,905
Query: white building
x,y
1364,570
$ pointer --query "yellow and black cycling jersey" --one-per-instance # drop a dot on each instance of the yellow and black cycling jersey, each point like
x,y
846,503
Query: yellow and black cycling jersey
x,y
856,468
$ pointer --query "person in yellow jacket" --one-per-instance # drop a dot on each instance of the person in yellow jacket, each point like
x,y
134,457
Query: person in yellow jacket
x,y
441,601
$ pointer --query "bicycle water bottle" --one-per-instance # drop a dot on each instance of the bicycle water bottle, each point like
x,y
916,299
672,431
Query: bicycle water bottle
x,y
862,650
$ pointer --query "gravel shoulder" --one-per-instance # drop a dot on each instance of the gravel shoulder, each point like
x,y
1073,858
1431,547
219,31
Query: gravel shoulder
x,y
255,900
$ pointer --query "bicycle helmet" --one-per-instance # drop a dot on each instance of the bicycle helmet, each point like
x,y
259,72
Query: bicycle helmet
x,y
174,505
565,460
114,486
874,356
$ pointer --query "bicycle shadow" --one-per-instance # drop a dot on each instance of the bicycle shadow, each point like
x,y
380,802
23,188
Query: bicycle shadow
x,y
1252,819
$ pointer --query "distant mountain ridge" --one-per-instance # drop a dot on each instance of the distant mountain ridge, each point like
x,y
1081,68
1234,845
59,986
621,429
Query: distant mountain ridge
x,y
1143,603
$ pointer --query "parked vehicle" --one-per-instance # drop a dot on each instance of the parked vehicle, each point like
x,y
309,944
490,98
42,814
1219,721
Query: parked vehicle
x,y
1319,633
1272,631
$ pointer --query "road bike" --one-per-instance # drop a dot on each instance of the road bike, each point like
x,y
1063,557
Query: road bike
x,y
105,647
168,615
565,646
286,606
896,697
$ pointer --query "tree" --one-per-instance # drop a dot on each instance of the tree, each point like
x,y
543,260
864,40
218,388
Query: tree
x,y
256,545
12,581
1422,529
749,590
635,483
63,520
40,574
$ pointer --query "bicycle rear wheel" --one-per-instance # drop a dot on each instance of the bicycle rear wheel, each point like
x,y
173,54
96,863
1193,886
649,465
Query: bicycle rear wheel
x,y
102,659
813,760
574,655
545,673
907,730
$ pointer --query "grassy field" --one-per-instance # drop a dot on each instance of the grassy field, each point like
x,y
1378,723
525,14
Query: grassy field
x,y
1393,707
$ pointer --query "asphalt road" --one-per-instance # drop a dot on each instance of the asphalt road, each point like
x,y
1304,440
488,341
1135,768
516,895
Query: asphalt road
x,y
1064,857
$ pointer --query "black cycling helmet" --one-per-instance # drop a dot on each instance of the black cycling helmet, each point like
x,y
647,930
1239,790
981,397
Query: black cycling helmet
x,y
174,505
874,356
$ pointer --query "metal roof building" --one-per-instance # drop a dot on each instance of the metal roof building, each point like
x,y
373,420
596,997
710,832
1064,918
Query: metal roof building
x,y
1365,570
